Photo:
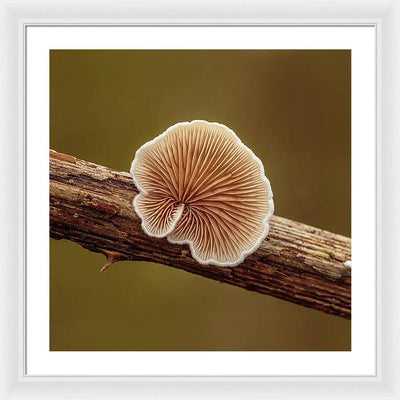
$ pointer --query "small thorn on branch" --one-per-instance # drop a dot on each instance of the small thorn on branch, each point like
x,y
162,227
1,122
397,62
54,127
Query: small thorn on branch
x,y
112,257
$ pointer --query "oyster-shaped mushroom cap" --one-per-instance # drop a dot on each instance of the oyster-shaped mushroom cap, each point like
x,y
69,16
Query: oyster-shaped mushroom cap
x,y
199,184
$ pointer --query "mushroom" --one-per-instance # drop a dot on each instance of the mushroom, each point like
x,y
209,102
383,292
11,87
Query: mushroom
x,y
200,185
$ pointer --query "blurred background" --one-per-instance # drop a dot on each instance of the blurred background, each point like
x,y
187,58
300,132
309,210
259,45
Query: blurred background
x,y
292,108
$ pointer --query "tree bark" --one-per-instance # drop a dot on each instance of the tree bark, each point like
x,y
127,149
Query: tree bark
x,y
92,206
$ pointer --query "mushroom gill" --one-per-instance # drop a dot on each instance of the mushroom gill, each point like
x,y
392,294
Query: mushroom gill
x,y
199,184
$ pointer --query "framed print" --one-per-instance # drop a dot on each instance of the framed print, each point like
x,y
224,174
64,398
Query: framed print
x,y
231,179
146,58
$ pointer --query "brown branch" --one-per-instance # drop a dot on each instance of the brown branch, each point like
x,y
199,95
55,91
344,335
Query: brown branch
x,y
92,205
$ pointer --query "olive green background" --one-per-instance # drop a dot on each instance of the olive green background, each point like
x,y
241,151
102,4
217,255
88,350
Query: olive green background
x,y
291,107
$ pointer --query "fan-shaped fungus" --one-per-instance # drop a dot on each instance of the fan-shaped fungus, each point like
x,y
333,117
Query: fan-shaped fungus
x,y
199,184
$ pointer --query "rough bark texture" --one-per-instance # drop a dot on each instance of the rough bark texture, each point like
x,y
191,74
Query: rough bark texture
x,y
92,206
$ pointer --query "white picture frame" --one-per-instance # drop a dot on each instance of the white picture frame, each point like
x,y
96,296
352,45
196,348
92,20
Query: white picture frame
x,y
385,16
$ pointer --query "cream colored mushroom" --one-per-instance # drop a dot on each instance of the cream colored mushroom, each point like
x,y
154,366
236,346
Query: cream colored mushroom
x,y
200,185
